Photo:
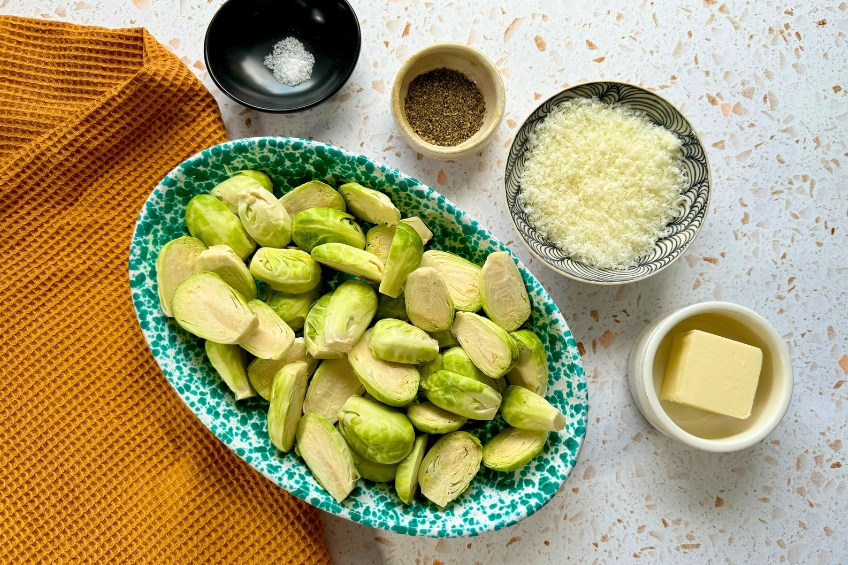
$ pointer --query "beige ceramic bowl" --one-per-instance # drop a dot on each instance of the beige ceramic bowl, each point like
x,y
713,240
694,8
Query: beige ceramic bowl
x,y
472,64
704,430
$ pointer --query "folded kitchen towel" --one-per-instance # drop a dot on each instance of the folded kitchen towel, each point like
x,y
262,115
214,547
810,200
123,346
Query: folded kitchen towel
x,y
100,462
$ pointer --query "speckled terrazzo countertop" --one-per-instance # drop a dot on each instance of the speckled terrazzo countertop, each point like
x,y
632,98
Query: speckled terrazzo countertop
x,y
766,86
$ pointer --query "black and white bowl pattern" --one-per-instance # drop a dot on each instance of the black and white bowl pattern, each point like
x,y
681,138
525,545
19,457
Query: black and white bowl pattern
x,y
678,235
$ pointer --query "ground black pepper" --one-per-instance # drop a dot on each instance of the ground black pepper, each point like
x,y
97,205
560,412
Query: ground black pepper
x,y
444,107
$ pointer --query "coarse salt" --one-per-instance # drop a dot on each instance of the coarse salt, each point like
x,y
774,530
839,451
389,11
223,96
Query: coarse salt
x,y
290,62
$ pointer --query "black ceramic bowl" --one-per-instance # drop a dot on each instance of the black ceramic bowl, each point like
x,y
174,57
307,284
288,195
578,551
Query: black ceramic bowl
x,y
243,32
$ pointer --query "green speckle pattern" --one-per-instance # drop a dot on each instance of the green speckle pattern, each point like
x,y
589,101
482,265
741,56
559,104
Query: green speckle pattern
x,y
494,500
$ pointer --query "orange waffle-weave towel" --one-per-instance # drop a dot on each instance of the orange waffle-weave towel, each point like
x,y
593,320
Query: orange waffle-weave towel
x,y
100,462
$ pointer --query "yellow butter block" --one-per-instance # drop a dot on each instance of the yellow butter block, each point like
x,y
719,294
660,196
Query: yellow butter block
x,y
712,373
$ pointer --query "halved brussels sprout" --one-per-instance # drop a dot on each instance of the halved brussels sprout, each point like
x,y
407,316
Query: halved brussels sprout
x,y
527,410
456,360
349,313
406,477
502,291
226,192
394,384
313,330
223,261
292,308
461,276
489,346
404,257
350,260
430,419
259,177
264,217
210,308
388,307
462,395
272,337
428,369
176,262
261,371
327,455
288,270
230,361
377,472
376,432
449,467
397,341
209,220
531,371
378,241
286,404
313,194
369,205
428,301
332,384
419,226
513,448
445,338
318,226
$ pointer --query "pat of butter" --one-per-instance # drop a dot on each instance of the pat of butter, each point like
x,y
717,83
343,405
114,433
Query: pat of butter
x,y
712,373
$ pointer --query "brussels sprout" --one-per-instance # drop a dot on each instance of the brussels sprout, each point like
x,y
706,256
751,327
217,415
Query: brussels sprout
x,y
349,313
397,341
430,419
445,338
313,330
211,222
456,360
512,449
286,404
230,362
376,432
489,346
502,292
531,371
259,177
327,455
428,369
527,410
227,191
377,472
317,226
350,260
264,217
394,384
428,300
449,467
461,276
292,308
272,337
314,194
223,261
462,395
288,270
388,307
176,262
378,241
209,308
261,371
406,477
333,383
404,257
369,205
418,225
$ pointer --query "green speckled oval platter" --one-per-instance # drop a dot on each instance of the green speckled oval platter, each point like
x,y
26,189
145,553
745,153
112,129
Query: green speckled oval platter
x,y
494,500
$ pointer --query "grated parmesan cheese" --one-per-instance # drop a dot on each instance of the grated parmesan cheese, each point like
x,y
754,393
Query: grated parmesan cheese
x,y
601,182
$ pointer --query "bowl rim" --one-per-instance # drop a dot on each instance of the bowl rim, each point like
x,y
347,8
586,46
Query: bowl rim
x,y
645,362
465,148
706,204
293,109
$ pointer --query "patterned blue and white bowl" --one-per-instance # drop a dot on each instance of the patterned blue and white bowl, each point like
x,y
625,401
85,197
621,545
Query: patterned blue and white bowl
x,y
678,235
494,500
